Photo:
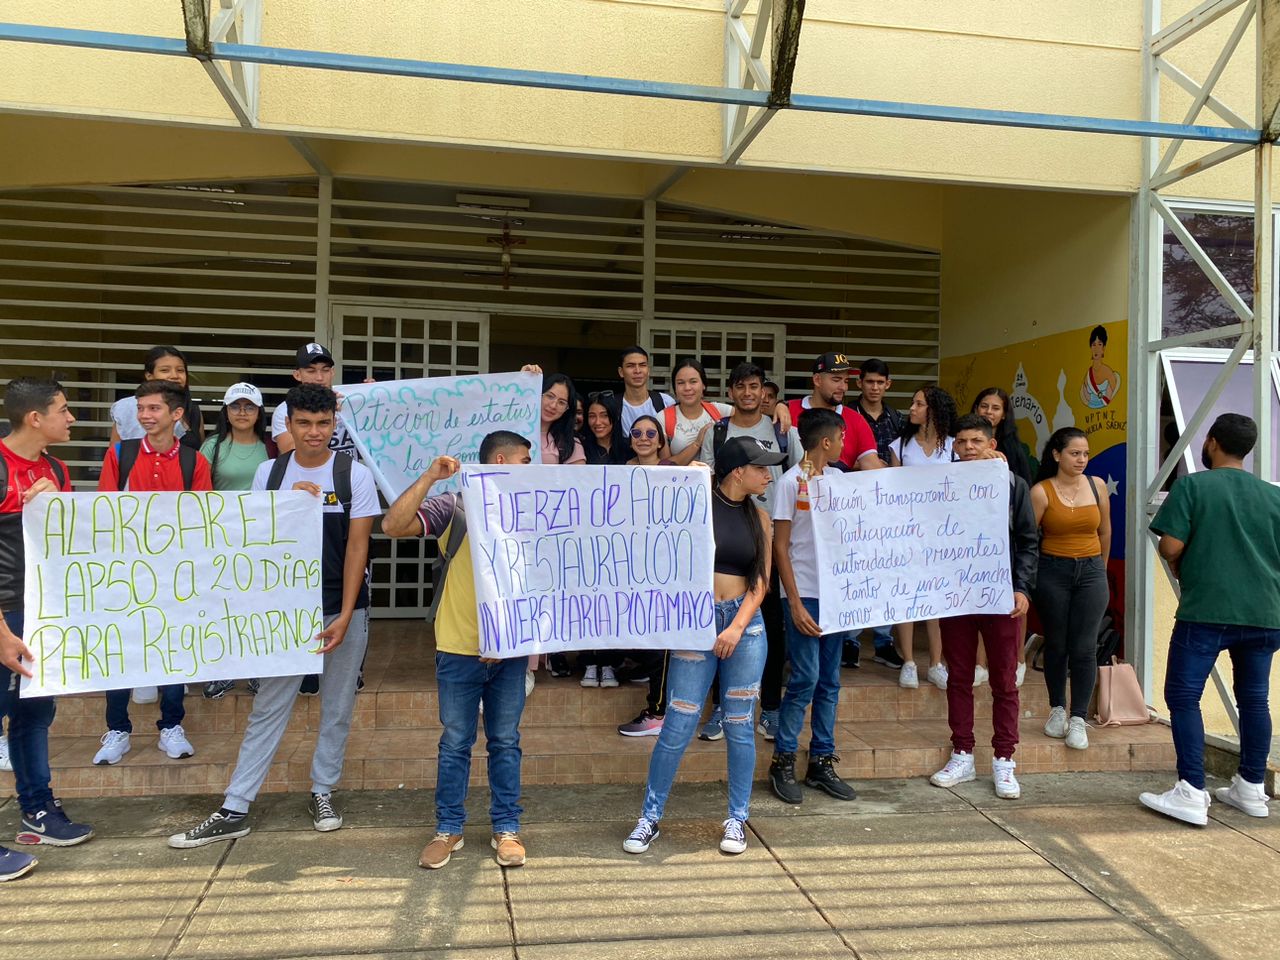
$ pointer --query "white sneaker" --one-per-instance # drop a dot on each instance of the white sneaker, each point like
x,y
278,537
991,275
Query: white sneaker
x,y
1056,725
607,678
909,676
1021,675
1077,734
146,694
959,769
980,675
1006,783
6,762
173,741
1184,802
937,675
115,744
591,676
1246,796
528,682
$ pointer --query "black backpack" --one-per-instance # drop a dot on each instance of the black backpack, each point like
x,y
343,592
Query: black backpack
x,y
448,549
54,465
127,455
720,433
341,482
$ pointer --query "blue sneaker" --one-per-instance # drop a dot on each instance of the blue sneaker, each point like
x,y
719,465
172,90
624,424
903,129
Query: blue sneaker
x,y
713,729
768,725
14,864
53,827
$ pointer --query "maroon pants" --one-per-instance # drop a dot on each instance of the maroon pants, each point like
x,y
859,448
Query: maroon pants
x,y
1000,634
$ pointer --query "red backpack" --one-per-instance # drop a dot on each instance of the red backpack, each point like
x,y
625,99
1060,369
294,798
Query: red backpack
x,y
669,416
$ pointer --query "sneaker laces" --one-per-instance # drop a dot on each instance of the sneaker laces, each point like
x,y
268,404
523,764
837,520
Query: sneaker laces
x,y
784,767
174,732
504,835
733,830
1004,772
954,765
643,831
441,836
324,806
827,760
210,820
112,737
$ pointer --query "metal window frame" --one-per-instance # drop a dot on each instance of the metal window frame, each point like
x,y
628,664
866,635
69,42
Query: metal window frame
x,y
1148,347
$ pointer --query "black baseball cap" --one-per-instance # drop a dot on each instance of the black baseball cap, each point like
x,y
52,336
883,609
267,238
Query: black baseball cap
x,y
832,363
744,451
313,353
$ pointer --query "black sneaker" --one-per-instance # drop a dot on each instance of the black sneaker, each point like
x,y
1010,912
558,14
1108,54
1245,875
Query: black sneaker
x,y
850,655
822,775
217,689
310,685
253,688
324,815
782,777
888,656
560,665
359,681
217,827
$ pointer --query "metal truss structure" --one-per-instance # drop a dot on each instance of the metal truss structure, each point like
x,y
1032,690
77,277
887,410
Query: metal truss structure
x,y
1254,331
752,93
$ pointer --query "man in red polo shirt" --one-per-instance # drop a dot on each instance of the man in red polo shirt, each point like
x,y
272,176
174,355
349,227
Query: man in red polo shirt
x,y
830,380
38,412
155,462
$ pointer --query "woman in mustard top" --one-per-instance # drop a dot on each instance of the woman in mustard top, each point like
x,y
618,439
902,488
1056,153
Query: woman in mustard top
x,y
1073,511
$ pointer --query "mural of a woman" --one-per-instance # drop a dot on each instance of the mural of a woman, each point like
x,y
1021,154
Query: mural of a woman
x,y
1101,383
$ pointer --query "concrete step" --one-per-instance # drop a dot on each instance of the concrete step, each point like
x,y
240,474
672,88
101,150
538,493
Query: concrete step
x,y
577,754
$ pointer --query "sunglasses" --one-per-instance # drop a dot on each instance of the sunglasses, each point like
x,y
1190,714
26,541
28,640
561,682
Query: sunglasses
x,y
638,434
598,395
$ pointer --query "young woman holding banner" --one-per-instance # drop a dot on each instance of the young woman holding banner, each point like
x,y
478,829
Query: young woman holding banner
x,y
742,558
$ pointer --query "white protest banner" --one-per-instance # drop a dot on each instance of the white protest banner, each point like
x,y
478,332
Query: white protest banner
x,y
583,558
400,426
913,543
144,589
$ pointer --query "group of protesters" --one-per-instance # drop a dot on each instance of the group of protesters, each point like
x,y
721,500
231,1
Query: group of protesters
x,y
770,663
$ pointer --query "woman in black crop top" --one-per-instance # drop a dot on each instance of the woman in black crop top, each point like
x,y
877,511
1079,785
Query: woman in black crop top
x,y
742,561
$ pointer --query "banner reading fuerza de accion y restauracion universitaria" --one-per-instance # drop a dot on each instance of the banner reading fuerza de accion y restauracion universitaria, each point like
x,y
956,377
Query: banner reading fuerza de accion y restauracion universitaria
x,y
582,558
145,589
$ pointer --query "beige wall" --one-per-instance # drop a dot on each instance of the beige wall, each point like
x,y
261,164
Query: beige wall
x,y
1080,58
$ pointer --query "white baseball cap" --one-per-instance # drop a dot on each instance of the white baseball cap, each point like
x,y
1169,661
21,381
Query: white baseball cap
x,y
242,391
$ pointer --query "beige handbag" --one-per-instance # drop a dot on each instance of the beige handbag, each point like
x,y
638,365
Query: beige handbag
x,y
1120,699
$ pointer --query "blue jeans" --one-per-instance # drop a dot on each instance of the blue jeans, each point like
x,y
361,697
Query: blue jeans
x,y
172,712
882,636
688,681
815,678
464,682
1193,650
29,722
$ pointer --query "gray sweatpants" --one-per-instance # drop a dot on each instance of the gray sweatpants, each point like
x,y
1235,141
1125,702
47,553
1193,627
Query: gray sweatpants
x,y
273,705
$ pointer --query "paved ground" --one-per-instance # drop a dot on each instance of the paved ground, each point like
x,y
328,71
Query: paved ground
x,y
1076,869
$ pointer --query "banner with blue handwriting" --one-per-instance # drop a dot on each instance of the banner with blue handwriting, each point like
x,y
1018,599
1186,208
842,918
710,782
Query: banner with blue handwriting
x,y
144,589
911,544
400,426
584,558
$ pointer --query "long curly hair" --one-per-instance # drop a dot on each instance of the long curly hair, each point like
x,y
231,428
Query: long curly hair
x,y
941,416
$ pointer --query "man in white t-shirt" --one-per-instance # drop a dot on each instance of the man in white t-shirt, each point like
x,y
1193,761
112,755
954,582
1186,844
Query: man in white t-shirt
x,y
814,658
746,393
350,499
637,398
314,365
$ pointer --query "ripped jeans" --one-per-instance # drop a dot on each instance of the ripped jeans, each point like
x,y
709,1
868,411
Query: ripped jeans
x,y
688,681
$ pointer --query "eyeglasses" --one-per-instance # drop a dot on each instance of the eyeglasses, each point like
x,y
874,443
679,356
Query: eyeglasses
x,y
244,406
555,401
638,434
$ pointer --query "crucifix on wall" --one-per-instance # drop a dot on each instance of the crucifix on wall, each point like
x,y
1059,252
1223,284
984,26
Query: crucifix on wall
x,y
506,242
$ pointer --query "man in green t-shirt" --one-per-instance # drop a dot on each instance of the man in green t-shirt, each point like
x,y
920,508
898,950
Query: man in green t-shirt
x,y
1220,533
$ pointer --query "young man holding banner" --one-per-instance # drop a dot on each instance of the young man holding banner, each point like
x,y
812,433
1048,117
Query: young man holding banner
x,y
155,462
814,658
464,679
975,439
38,413
350,499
